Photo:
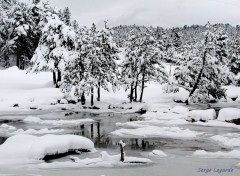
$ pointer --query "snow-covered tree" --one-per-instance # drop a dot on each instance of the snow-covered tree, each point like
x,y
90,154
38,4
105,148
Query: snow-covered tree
x,y
234,63
205,72
143,62
56,46
95,65
67,16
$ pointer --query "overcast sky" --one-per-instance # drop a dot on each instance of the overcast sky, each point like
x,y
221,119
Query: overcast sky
x,y
165,13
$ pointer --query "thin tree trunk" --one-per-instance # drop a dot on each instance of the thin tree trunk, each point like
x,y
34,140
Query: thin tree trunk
x,y
198,78
92,102
143,84
59,78
83,99
131,94
122,152
18,55
54,79
98,98
135,89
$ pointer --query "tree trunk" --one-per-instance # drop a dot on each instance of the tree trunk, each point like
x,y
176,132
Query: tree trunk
x,y
143,84
131,94
18,55
59,78
98,98
122,152
198,78
135,89
54,79
92,102
83,99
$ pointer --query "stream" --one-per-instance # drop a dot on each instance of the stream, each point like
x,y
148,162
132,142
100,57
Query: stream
x,y
179,150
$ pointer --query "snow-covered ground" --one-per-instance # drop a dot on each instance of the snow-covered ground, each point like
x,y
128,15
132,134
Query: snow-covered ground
x,y
169,123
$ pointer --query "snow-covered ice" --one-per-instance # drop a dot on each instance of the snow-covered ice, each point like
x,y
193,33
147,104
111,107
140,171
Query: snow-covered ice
x,y
219,154
179,110
72,122
154,131
105,160
228,140
158,153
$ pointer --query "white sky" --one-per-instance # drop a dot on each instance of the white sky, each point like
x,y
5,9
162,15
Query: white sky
x,y
165,13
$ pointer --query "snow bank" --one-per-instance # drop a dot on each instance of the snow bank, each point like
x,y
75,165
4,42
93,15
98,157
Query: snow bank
x,y
215,123
7,127
26,90
154,131
179,110
158,153
33,147
209,114
228,140
228,114
105,160
219,154
57,122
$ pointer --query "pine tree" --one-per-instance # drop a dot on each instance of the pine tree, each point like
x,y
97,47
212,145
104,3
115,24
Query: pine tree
x,y
205,72
66,16
56,46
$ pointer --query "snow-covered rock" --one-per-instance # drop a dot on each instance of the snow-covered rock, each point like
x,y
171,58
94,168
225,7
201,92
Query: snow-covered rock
x,y
33,147
7,127
209,114
219,154
158,153
227,114
179,110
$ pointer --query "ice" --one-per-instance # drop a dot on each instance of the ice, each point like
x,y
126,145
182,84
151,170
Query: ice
x,y
219,154
154,131
158,153
105,160
72,122
228,114
228,140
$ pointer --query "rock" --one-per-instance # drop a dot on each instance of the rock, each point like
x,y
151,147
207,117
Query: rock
x,y
16,105
72,102
33,108
95,107
63,109
141,111
235,121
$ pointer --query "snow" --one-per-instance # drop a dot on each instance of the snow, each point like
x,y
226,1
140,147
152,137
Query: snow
x,y
228,114
26,90
57,122
105,160
209,114
228,140
32,147
7,127
181,96
154,131
158,153
219,154
179,110
38,132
